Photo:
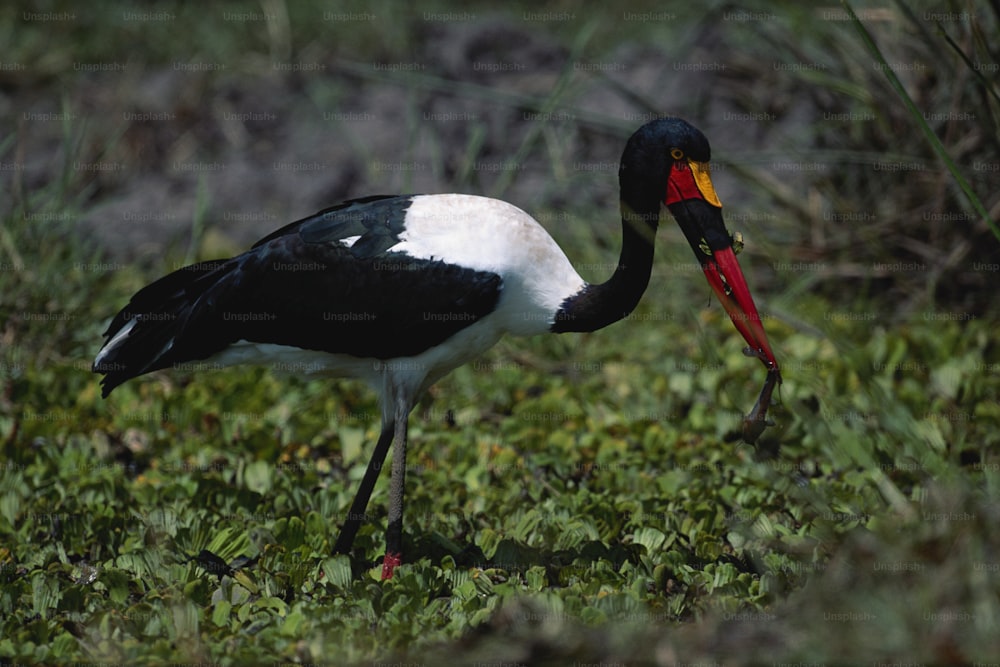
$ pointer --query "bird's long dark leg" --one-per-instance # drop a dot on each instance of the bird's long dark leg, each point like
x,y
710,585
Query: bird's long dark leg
x,y
360,505
394,533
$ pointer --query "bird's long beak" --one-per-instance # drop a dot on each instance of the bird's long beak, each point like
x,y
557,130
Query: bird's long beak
x,y
692,200
726,278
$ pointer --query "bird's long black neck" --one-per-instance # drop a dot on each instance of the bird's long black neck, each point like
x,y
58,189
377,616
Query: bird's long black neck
x,y
596,306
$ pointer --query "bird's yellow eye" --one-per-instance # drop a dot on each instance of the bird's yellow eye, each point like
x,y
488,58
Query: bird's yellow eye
x,y
676,153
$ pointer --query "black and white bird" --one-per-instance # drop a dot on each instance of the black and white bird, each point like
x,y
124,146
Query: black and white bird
x,y
400,290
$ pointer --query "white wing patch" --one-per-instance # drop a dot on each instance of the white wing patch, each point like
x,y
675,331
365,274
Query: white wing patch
x,y
491,235
115,341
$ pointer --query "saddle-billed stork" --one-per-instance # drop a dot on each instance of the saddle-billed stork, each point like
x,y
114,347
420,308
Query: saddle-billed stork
x,y
400,290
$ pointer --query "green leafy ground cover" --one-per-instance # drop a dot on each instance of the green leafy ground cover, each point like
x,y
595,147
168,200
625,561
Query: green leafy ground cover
x,y
619,500
572,498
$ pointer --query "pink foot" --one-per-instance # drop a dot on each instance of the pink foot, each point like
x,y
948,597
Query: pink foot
x,y
390,563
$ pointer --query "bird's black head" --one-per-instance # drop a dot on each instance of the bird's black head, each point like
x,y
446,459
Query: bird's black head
x,y
665,134
665,160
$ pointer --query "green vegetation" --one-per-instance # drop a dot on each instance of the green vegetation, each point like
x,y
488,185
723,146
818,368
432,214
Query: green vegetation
x,y
572,498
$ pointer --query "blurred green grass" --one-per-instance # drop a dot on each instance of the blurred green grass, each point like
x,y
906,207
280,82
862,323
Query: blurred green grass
x,y
573,498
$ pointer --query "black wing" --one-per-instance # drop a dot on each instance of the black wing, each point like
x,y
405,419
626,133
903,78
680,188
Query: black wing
x,y
300,286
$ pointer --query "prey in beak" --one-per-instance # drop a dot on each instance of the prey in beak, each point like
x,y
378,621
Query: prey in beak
x,y
692,200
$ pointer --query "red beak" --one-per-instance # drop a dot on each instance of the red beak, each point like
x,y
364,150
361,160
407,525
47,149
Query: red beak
x,y
726,278
692,200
